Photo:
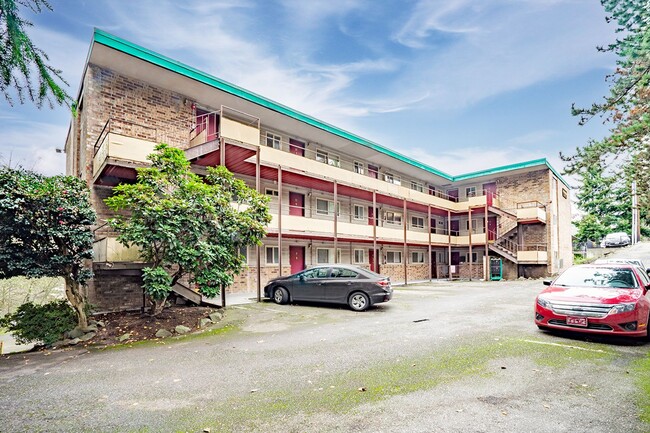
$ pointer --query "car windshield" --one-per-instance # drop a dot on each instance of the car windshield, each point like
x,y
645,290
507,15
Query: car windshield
x,y
597,277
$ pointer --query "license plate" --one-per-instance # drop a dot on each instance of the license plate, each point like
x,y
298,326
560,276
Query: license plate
x,y
577,321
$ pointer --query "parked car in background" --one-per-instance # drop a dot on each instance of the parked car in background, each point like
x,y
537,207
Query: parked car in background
x,y
619,239
599,299
636,262
341,284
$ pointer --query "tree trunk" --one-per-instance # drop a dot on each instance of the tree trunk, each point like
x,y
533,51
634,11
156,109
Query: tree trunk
x,y
157,306
77,300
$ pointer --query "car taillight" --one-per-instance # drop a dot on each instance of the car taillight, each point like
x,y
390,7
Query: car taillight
x,y
384,283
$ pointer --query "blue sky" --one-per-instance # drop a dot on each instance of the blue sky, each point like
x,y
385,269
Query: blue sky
x,y
461,85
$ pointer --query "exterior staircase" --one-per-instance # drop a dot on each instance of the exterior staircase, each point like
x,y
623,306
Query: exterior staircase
x,y
505,238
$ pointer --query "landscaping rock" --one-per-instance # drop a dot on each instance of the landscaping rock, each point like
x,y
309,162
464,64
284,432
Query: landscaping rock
x,y
99,324
74,341
75,333
89,328
204,322
163,333
124,337
87,336
180,329
216,316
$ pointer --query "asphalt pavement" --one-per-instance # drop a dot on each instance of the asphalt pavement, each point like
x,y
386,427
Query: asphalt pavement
x,y
439,357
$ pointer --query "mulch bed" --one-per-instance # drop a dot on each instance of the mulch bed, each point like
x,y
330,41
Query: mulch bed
x,y
143,326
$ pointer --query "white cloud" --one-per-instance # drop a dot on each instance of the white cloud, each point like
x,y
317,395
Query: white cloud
x,y
33,145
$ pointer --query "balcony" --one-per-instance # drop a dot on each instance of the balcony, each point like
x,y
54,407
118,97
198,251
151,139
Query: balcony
x,y
120,149
109,250
344,173
531,212
534,254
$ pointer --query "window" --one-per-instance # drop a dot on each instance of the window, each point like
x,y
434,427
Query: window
x,y
322,255
316,273
432,190
470,191
417,257
359,256
321,156
326,207
358,167
243,251
272,255
474,257
394,257
343,273
565,193
271,192
391,178
417,222
328,158
359,212
273,140
417,186
393,217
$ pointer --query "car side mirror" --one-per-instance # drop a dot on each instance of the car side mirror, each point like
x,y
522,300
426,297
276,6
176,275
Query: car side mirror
x,y
547,282
647,271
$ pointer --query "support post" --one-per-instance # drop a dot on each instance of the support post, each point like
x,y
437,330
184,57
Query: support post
x,y
259,248
374,232
486,255
405,257
336,221
429,227
280,219
469,227
449,242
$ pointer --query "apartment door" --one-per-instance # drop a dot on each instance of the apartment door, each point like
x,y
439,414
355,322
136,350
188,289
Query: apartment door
x,y
434,265
454,227
490,189
492,228
296,147
432,190
296,204
455,258
296,258
453,194
373,171
373,256
373,216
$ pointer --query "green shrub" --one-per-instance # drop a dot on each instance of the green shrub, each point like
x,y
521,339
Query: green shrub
x,y
40,323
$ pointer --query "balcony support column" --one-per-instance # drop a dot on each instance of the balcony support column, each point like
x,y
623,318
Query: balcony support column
x,y
259,248
449,242
375,265
336,221
405,246
222,151
429,230
280,219
486,255
469,227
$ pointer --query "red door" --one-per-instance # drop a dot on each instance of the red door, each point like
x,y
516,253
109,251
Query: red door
x,y
372,258
296,147
454,227
490,189
297,258
296,204
372,216
453,194
373,171
492,228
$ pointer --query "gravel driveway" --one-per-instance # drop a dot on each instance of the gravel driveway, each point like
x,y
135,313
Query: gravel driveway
x,y
441,357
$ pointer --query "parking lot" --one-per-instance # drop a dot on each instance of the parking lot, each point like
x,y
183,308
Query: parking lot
x,y
439,357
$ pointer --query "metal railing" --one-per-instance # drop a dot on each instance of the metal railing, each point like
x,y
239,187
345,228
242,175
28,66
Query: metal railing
x,y
126,128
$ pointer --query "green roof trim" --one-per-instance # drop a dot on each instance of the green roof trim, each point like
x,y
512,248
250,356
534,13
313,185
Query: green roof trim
x,y
510,167
122,45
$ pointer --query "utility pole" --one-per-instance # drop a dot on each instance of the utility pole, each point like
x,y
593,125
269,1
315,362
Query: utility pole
x,y
636,235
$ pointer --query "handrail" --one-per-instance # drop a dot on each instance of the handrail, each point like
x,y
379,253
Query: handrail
x,y
97,145
529,204
113,124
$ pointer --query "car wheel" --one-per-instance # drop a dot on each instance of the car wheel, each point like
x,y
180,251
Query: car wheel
x,y
280,295
647,327
359,301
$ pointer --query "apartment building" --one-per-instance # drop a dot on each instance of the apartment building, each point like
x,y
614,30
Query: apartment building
x,y
335,197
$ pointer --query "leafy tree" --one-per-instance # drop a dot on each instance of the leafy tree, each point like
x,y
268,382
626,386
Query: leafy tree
x,y
45,230
186,225
590,229
20,58
626,108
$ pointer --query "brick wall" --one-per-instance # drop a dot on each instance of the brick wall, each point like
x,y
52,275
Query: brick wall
x,y
117,293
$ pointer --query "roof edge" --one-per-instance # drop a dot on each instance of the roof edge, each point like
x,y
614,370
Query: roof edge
x,y
511,167
127,47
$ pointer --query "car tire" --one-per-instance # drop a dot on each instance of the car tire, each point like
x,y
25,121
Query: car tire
x,y
359,301
280,295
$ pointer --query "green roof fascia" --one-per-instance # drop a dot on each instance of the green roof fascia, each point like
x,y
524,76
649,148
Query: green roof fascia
x,y
510,167
152,57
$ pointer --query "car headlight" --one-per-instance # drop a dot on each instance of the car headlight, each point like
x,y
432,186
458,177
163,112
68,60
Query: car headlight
x,y
622,308
543,303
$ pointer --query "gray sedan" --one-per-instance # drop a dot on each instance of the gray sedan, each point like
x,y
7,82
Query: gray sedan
x,y
340,284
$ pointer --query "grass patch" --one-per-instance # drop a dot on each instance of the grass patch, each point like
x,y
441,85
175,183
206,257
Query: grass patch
x,y
342,394
642,370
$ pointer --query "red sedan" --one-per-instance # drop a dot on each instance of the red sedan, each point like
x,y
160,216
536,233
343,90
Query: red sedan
x,y
599,299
